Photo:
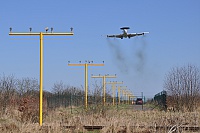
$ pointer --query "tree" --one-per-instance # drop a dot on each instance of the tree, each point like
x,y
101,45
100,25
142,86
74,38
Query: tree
x,y
183,87
58,88
7,91
27,86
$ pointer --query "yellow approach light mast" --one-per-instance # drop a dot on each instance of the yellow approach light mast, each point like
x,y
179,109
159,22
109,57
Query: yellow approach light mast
x,y
104,84
113,88
129,95
41,35
88,63
123,90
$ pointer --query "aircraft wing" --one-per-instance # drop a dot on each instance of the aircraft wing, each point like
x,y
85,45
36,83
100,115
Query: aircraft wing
x,y
117,36
136,34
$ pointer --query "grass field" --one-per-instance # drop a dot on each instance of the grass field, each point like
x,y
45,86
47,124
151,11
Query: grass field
x,y
121,119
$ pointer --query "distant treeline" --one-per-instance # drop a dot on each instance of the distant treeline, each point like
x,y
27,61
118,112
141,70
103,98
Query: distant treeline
x,y
23,94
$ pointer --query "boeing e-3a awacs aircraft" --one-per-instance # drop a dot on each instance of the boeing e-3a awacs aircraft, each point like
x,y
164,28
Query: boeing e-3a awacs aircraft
x,y
126,34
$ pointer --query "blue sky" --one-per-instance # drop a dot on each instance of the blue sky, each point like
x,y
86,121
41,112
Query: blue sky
x,y
174,40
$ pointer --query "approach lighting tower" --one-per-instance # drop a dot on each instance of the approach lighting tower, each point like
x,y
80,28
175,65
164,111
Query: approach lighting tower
x,y
41,34
119,92
86,64
123,90
129,96
104,84
113,88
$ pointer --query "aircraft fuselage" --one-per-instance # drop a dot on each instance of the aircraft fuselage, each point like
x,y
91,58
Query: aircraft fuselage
x,y
125,33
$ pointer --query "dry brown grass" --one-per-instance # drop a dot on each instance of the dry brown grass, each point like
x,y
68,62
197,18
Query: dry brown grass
x,y
114,121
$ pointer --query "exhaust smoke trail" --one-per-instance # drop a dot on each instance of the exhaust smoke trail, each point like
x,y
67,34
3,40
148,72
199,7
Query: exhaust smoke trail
x,y
136,62
119,57
140,55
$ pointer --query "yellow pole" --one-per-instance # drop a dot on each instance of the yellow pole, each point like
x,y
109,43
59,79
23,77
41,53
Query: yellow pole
x,y
104,85
119,94
113,89
128,98
104,90
41,75
41,34
86,78
86,85
122,95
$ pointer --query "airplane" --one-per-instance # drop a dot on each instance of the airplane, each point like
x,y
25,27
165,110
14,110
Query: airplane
x,y
126,34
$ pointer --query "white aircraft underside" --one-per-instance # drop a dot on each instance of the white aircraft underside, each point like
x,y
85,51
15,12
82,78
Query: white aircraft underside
x,y
126,34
